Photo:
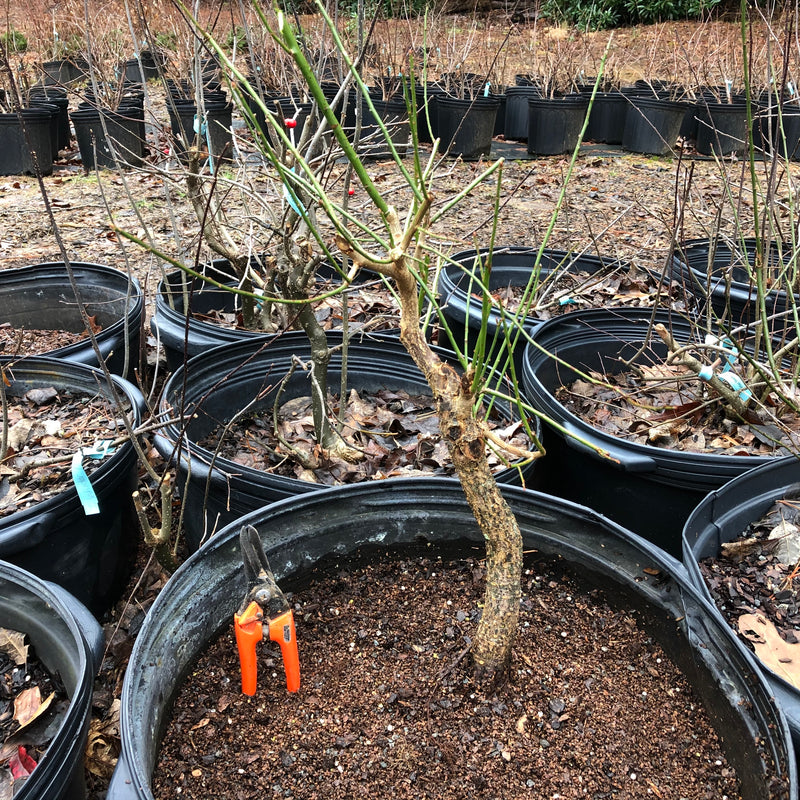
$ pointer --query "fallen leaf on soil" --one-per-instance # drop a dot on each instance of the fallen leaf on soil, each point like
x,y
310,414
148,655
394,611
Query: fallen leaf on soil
x,y
102,749
28,705
780,656
21,764
741,548
12,643
41,396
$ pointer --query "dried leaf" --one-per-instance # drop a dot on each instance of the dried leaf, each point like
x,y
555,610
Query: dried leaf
x,y
29,705
41,396
742,548
776,654
103,745
21,764
19,432
12,643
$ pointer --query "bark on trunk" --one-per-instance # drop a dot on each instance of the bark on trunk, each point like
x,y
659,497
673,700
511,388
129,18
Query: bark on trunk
x,y
466,440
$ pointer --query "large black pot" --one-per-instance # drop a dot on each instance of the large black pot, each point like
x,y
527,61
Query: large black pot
x,y
722,516
510,266
426,98
393,114
721,128
555,123
787,132
607,118
223,382
108,139
22,151
466,126
142,69
40,296
69,642
212,127
89,555
650,490
652,125
62,71
201,597
184,337
719,276
517,113
52,95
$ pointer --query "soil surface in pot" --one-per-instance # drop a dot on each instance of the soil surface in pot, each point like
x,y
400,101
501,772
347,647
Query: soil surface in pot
x,y
33,342
370,307
394,434
667,406
46,427
569,291
388,706
32,706
758,592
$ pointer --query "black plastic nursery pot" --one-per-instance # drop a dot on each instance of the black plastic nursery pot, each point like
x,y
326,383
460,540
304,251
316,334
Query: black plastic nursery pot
x,y
199,601
393,113
607,118
61,71
69,642
652,125
212,128
88,555
107,139
511,267
724,515
55,113
134,72
184,337
721,128
650,490
53,95
41,296
466,126
426,98
719,276
227,380
24,149
517,113
555,123
786,131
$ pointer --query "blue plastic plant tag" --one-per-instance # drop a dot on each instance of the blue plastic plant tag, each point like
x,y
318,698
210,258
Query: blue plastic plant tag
x,y
288,195
737,384
83,485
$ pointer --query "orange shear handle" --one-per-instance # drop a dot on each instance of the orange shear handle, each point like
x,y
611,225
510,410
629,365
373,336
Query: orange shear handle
x,y
249,632
281,630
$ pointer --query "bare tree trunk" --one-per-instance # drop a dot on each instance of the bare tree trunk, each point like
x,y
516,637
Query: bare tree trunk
x,y
466,441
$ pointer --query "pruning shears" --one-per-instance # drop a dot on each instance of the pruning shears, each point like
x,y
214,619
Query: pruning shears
x,y
265,611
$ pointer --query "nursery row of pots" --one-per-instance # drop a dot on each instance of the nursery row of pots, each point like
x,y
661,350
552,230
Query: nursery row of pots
x,y
639,122
652,492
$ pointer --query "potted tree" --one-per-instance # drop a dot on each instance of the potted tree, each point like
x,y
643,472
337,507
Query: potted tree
x,y
499,518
